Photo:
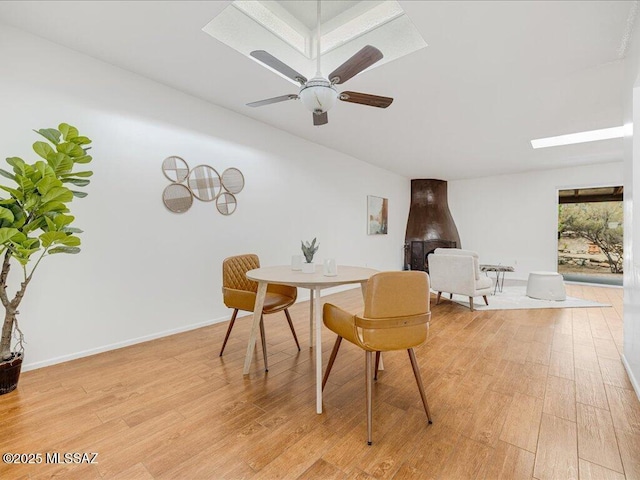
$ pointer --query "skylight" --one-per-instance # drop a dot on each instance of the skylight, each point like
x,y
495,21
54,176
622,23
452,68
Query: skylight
x,y
287,30
580,137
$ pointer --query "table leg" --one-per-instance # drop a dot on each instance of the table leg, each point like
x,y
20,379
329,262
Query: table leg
x,y
311,317
318,319
257,313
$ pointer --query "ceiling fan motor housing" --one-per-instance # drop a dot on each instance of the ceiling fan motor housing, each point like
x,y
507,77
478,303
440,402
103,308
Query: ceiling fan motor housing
x,y
318,95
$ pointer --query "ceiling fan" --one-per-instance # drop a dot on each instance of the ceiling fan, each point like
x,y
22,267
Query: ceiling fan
x,y
319,94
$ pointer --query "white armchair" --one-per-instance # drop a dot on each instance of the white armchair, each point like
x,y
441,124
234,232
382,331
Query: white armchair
x,y
458,271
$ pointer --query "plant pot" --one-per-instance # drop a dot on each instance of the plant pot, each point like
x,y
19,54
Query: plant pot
x,y
308,268
10,373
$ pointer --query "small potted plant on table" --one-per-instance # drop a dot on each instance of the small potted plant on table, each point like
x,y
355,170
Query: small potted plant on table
x,y
309,250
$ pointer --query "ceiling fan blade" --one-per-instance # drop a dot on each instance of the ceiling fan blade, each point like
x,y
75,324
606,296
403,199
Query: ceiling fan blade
x,y
269,101
366,99
276,64
320,118
363,59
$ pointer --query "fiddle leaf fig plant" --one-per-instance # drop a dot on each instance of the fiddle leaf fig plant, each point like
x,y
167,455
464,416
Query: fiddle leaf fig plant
x,y
309,250
34,216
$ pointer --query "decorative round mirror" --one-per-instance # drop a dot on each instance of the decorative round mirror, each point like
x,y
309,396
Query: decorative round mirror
x,y
177,198
175,169
233,180
226,203
204,182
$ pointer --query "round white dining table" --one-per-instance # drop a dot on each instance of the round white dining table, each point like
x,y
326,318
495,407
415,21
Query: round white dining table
x,y
315,282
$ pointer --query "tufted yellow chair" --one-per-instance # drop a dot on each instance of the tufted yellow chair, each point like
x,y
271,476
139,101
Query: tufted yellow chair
x,y
396,317
239,293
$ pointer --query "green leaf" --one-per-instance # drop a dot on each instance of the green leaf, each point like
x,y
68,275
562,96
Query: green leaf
x,y
71,230
34,224
60,163
79,194
18,238
83,159
63,220
51,226
49,238
16,163
57,194
14,193
31,203
71,241
70,149
9,175
50,134
80,182
84,174
53,207
31,243
41,168
25,183
71,250
46,184
6,214
68,131
43,149
6,234
80,140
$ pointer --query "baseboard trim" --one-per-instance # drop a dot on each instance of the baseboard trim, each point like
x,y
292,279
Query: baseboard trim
x,y
634,380
304,296
126,343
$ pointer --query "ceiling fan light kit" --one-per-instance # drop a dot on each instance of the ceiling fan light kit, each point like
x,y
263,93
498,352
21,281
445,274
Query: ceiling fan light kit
x,y
319,94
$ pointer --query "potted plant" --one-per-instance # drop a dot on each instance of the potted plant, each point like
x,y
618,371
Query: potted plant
x,y
35,223
309,250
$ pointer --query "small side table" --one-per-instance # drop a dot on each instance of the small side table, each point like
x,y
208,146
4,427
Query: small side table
x,y
499,269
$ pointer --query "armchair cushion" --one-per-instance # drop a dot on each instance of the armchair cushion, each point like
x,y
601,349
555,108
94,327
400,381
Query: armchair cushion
x,y
457,274
459,251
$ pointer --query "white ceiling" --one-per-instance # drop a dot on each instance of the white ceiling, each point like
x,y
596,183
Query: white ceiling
x,y
494,76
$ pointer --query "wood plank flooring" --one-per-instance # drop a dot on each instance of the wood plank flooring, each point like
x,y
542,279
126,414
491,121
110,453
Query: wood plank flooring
x,y
514,394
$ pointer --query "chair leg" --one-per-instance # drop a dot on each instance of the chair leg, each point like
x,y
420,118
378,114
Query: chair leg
x,y
485,299
369,381
375,371
416,372
332,358
438,298
295,337
451,296
226,337
471,303
264,344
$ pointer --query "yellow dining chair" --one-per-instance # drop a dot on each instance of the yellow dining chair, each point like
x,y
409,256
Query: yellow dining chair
x,y
239,293
396,317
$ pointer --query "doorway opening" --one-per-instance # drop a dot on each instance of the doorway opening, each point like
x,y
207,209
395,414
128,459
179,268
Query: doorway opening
x,y
590,235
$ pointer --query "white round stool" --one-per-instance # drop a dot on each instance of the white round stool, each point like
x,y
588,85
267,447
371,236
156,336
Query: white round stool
x,y
546,286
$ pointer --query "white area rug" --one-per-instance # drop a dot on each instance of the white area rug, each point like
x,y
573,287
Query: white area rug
x,y
514,298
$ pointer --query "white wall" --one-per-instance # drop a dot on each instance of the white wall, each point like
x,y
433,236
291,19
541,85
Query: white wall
x,y
144,271
513,219
631,103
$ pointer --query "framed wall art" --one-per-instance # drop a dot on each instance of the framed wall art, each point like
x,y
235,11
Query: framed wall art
x,y
377,215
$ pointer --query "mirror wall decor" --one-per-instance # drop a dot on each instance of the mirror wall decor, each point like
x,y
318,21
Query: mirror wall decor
x,y
177,198
202,182
175,169
233,180
226,203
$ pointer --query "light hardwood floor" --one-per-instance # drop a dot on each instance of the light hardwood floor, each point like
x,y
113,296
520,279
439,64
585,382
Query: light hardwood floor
x,y
514,394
